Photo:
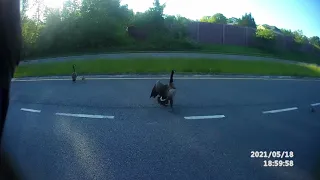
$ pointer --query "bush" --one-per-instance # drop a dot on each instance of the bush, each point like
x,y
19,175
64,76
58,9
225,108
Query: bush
x,y
265,39
266,34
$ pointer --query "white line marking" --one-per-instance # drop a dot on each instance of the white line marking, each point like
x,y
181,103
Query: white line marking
x,y
280,110
86,116
315,104
30,110
205,117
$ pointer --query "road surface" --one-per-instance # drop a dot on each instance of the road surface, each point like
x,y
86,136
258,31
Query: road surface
x,y
110,129
155,55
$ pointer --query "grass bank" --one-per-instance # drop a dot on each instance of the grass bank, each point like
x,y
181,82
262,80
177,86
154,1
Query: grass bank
x,y
160,65
214,49
250,51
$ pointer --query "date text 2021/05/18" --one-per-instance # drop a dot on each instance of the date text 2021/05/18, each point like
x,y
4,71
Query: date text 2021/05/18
x,y
271,154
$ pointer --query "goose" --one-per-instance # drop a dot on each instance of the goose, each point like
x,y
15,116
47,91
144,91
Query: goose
x,y
74,74
171,89
164,92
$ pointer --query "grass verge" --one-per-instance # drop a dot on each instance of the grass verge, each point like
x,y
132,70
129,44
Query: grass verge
x,y
213,49
232,50
160,65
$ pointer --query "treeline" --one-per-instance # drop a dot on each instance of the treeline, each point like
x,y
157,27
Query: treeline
x,y
265,34
266,31
96,25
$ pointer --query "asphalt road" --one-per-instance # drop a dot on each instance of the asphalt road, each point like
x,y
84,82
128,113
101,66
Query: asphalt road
x,y
129,136
155,55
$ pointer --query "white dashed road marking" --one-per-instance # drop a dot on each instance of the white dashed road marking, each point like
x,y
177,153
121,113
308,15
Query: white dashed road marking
x,y
30,110
186,117
86,116
204,117
280,110
315,104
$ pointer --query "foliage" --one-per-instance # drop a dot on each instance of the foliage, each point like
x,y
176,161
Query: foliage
x,y
315,40
233,20
247,20
265,39
286,32
206,19
30,35
266,34
216,18
273,28
299,37
95,24
105,25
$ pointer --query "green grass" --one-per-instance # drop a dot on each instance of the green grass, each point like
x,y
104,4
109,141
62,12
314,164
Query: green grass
x,y
215,49
161,65
243,50
229,49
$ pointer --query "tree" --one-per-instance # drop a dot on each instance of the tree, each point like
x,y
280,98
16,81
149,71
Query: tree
x,y
206,19
315,40
233,20
52,37
30,35
286,32
177,25
265,39
86,25
219,18
299,37
38,16
103,24
156,16
24,9
152,19
158,8
266,34
247,21
216,18
71,9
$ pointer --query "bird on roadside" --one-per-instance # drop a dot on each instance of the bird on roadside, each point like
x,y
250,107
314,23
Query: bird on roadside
x,y
74,73
165,93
